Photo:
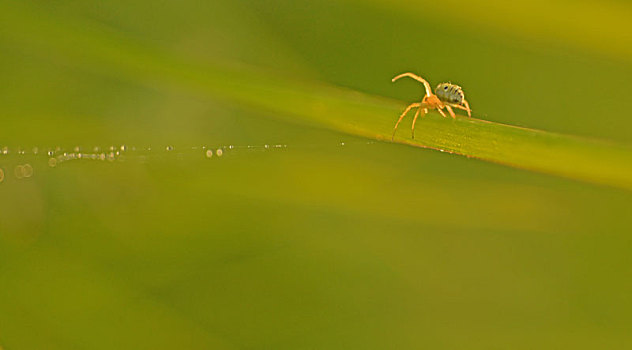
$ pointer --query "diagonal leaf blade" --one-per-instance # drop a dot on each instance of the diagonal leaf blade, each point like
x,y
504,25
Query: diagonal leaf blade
x,y
322,105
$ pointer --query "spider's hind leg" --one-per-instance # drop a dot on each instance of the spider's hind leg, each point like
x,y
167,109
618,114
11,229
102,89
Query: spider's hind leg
x,y
441,112
469,111
451,112
465,108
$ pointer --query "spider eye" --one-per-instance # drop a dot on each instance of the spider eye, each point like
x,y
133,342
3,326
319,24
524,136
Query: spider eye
x,y
445,87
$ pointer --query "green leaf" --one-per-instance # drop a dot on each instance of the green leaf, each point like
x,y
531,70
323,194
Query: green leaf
x,y
374,117
327,106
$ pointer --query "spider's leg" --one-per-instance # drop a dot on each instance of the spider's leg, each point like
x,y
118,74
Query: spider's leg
x,y
440,111
451,112
466,108
418,78
413,105
417,115
469,112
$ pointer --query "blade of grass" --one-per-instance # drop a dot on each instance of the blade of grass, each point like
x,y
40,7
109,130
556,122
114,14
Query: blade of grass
x,y
92,46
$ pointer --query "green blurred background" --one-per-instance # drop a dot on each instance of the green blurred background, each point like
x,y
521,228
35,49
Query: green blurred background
x,y
314,244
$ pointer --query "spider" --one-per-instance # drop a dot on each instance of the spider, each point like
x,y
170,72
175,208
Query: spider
x,y
447,96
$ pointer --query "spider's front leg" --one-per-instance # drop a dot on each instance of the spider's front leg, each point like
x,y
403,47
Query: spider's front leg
x,y
411,106
418,78
415,119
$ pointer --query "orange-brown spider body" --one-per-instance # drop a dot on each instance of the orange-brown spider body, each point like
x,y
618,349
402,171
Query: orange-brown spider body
x,y
446,96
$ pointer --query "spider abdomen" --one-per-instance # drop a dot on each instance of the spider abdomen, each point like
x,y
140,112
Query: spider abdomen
x,y
451,93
